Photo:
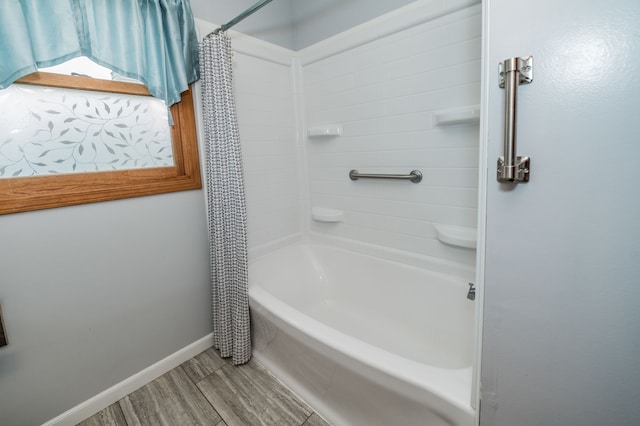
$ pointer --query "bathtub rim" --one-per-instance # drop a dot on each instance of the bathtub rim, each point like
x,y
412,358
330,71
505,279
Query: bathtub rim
x,y
457,270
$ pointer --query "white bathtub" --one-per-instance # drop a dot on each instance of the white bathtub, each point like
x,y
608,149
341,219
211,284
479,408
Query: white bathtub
x,y
365,341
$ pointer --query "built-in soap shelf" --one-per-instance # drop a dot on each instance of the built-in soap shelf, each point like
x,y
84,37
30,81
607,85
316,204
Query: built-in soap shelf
x,y
459,236
324,130
323,214
463,115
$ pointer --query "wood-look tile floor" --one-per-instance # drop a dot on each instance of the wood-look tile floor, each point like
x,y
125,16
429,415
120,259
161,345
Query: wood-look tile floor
x,y
208,390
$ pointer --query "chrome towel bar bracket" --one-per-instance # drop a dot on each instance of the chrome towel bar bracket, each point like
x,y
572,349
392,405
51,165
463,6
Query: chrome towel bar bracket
x,y
415,176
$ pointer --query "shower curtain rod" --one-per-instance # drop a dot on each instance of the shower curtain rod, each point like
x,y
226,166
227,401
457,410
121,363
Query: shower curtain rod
x,y
240,17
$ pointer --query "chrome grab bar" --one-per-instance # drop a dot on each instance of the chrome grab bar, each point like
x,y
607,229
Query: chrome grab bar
x,y
415,176
513,73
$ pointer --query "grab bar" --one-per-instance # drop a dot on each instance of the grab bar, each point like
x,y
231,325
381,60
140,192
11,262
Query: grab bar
x,y
513,73
415,176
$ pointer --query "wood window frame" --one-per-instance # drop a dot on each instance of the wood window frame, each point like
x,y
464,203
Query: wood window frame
x,y
20,194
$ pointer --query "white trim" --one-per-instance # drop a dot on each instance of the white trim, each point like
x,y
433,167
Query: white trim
x,y
483,178
118,391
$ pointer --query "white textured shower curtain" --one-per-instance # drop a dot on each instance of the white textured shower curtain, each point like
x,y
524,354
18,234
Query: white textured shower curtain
x,y
226,206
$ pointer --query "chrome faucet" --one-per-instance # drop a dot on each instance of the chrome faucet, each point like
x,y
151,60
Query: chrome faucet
x,y
471,294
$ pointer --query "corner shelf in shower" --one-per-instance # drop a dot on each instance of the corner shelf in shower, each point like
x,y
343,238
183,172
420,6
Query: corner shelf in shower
x,y
325,130
459,236
323,214
464,115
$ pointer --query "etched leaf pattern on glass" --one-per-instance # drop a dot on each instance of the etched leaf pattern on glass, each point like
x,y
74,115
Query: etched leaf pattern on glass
x,y
48,131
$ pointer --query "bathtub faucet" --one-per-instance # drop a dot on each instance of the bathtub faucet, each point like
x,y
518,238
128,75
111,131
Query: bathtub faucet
x,y
471,294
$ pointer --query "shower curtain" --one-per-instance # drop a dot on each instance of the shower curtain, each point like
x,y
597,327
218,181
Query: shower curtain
x,y
226,206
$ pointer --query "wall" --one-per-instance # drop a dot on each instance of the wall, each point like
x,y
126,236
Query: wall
x,y
273,23
561,329
295,24
314,21
95,293
384,93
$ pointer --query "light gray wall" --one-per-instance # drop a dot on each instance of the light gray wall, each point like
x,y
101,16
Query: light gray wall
x,y
295,24
92,294
316,20
561,327
272,23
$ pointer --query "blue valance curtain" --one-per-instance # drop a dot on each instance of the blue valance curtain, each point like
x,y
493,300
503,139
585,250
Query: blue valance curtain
x,y
153,41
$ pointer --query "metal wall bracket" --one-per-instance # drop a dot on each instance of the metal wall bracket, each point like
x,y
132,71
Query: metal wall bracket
x,y
520,171
524,67
513,72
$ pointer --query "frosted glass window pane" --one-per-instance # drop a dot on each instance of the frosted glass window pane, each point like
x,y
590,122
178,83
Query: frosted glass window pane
x,y
45,130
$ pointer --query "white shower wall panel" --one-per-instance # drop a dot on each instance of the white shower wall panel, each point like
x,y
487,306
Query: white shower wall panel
x,y
384,93
265,105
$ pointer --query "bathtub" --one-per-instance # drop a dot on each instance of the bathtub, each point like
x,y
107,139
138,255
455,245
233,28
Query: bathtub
x,y
365,341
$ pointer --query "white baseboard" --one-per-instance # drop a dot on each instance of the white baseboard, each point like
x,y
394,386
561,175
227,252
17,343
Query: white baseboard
x,y
118,391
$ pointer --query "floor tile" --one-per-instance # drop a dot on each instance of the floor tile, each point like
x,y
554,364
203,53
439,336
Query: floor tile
x,y
249,395
245,395
171,399
203,364
110,416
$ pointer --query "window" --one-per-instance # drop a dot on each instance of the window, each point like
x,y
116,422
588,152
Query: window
x,y
78,147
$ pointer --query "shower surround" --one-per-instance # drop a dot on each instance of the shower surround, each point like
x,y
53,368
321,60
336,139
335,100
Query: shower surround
x,y
385,93
383,84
